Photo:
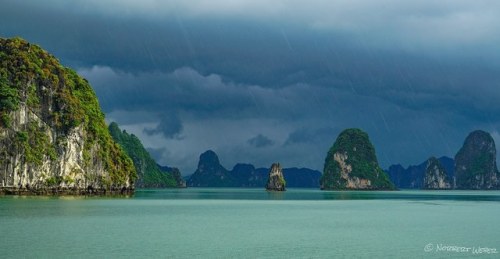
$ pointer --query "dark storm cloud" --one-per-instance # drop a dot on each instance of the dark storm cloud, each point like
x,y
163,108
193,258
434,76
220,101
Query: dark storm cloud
x,y
157,153
186,90
168,35
190,75
260,141
306,135
404,125
170,125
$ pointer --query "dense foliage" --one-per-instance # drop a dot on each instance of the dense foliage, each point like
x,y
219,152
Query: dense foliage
x,y
30,77
360,155
149,173
35,143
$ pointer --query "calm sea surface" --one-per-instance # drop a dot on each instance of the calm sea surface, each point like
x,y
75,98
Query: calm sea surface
x,y
252,223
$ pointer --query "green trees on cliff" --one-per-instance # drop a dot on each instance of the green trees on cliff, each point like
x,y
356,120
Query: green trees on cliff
x,y
149,173
32,78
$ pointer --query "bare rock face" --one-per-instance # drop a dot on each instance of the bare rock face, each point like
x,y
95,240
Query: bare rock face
x,y
276,181
436,176
475,163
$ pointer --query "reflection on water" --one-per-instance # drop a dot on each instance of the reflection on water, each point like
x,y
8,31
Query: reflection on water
x,y
290,194
275,195
312,194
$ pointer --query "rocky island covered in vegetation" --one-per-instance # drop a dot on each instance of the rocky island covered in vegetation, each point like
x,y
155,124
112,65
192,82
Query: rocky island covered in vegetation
x,y
475,163
53,137
351,164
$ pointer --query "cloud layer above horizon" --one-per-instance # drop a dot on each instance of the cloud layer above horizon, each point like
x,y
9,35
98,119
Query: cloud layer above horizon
x,y
261,82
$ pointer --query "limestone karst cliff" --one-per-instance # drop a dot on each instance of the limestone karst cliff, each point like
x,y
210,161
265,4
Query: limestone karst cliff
x,y
53,137
351,164
435,176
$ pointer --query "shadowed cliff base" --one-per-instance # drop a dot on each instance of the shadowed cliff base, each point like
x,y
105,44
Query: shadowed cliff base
x,y
66,191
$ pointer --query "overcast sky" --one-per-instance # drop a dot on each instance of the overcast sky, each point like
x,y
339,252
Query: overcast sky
x,y
276,81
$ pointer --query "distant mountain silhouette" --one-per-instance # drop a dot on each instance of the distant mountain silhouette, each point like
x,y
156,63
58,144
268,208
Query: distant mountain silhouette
x,y
210,173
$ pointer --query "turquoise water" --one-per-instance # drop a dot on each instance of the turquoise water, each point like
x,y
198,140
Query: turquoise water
x,y
252,223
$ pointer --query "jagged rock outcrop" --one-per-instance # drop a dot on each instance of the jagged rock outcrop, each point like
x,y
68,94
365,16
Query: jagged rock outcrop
x,y
351,163
53,138
412,177
210,173
149,174
276,180
475,163
436,176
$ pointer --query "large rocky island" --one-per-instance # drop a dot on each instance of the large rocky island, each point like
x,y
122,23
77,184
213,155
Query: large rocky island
x,y
351,164
53,138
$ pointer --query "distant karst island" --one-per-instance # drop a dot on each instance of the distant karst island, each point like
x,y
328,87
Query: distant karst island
x,y
54,140
210,173
473,168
